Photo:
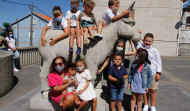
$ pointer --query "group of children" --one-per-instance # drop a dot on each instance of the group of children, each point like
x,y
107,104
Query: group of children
x,y
144,72
82,22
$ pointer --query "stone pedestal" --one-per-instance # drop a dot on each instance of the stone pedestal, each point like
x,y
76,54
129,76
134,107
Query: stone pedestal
x,y
6,72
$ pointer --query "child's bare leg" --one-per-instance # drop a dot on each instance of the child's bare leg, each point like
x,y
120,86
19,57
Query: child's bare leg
x,y
119,105
112,103
72,36
62,97
133,101
153,95
82,104
146,98
85,35
100,26
78,35
94,104
77,102
139,102
91,32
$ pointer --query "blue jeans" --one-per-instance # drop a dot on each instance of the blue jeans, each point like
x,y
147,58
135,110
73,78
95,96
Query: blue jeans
x,y
116,94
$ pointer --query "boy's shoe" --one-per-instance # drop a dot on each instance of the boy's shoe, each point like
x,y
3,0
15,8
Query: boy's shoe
x,y
15,70
85,42
70,50
152,109
78,52
98,35
145,108
91,38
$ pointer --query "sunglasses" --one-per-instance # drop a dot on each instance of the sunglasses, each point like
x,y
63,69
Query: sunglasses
x,y
60,64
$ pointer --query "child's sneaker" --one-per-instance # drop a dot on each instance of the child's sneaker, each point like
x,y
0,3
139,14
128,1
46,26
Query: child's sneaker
x,y
152,108
70,50
15,70
91,38
85,42
98,35
145,108
78,52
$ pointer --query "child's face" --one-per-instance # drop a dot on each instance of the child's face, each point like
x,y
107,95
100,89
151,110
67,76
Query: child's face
x,y
74,5
115,8
89,9
117,60
80,66
72,73
120,45
148,41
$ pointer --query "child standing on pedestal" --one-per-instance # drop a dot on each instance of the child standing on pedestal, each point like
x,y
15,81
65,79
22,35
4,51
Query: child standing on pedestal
x,y
140,77
117,75
87,21
72,16
110,15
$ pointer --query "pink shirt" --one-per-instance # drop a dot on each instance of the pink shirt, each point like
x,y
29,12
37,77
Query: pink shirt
x,y
55,79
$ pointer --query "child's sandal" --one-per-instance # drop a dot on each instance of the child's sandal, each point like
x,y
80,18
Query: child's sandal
x,y
85,42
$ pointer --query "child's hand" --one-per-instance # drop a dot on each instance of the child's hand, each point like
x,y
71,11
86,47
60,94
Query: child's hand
x,y
147,89
99,71
157,77
139,31
43,42
129,86
126,12
71,82
80,92
76,84
53,41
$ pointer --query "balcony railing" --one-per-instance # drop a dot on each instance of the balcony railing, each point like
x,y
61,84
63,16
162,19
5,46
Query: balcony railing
x,y
29,55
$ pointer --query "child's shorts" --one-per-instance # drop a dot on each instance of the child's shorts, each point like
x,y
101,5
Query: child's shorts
x,y
154,84
116,94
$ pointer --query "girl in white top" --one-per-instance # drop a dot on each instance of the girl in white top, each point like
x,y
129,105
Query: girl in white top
x,y
85,89
72,16
12,48
57,23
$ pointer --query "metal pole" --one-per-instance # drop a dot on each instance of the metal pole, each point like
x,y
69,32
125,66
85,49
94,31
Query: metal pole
x,y
17,33
31,24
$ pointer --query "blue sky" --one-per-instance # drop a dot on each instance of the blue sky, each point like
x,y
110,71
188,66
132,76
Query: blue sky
x,y
9,12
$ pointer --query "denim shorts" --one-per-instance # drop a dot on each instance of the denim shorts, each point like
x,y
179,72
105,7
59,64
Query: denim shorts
x,y
15,54
116,94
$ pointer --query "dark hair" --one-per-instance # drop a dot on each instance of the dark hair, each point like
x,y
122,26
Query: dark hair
x,y
112,2
149,35
52,67
143,57
114,51
56,11
72,67
118,55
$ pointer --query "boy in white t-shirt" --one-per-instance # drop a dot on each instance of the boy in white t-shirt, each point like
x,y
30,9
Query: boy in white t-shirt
x,y
71,17
110,15
57,23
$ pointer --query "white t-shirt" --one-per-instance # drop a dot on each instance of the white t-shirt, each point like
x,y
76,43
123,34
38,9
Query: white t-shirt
x,y
73,17
53,24
108,15
11,42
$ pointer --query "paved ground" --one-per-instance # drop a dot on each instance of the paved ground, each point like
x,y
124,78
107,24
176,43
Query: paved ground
x,y
173,93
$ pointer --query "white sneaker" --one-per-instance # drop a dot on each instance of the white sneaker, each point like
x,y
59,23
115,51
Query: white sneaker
x,y
145,108
15,70
152,109
98,35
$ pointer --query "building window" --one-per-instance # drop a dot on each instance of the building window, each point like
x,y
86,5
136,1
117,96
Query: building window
x,y
188,22
34,21
33,35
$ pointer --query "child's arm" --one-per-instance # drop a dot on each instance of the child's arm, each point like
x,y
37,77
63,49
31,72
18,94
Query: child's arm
x,y
158,65
78,21
133,49
63,87
62,36
43,40
120,16
111,78
85,87
95,23
66,81
104,65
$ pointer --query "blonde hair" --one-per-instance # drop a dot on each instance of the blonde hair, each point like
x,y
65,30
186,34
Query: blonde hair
x,y
112,2
82,61
89,3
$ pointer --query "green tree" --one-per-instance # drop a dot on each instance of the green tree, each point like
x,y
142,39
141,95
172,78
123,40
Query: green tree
x,y
6,29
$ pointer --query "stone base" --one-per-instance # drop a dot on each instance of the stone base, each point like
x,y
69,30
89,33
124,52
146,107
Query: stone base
x,y
41,102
